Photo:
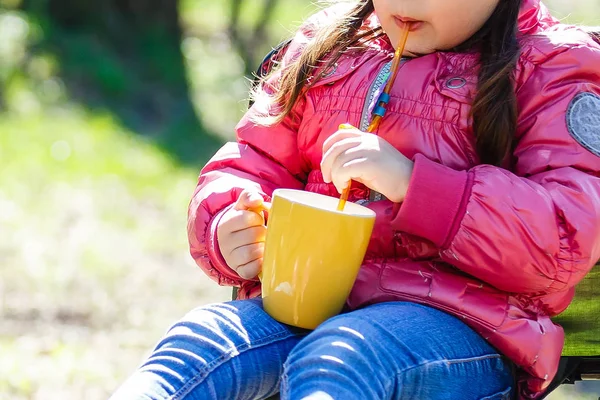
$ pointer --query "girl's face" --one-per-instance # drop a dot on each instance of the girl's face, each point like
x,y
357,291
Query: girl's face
x,y
434,24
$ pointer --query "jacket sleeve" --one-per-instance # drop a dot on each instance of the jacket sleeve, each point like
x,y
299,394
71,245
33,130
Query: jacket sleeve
x,y
534,230
263,157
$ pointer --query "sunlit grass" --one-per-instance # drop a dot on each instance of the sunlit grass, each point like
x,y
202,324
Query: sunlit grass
x,y
93,253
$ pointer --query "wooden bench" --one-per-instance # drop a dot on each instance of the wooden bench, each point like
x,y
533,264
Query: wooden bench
x,y
581,322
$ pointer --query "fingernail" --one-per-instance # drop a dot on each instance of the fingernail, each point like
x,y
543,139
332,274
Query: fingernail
x,y
346,126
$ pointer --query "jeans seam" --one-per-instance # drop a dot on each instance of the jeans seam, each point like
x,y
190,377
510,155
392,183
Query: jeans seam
x,y
204,371
472,359
284,384
450,362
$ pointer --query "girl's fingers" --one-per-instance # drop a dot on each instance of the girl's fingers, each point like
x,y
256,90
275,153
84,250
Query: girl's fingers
x,y
242,219
249,199
334,152
255,234
347,168
340,135
244,255
337,173
250,270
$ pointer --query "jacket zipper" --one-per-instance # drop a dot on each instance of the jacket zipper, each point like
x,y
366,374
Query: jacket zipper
x,y
365,118
379,81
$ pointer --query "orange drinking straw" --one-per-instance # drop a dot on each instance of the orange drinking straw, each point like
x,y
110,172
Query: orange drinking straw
x,y
377,118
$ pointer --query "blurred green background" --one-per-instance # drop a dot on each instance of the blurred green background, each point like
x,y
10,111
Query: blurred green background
x,y
108,110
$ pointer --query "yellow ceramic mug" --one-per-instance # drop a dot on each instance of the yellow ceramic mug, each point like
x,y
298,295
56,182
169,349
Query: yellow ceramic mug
x,y
312,256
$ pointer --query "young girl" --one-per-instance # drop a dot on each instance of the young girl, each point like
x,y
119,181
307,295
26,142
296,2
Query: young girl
x,y
485,177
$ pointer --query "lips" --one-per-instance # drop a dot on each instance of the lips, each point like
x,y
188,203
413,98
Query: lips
x,y
412,23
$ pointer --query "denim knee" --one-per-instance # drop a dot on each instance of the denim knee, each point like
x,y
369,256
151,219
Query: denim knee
x,y
226,350
336,355
402,350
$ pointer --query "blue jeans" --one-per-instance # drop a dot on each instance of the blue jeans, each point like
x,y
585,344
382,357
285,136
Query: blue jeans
x,y
392,350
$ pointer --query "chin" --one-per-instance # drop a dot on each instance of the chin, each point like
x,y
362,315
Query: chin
x,y
417,52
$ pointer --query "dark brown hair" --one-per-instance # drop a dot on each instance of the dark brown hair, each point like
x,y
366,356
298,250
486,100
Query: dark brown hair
x,y
494,109
594,32
324,50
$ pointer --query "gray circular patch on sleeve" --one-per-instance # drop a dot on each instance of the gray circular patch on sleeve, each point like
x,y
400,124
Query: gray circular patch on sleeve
x,y
583,121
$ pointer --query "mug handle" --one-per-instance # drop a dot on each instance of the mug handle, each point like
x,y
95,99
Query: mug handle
x,y
266,206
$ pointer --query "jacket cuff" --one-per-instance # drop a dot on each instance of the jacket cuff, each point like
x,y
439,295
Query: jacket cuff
x,y
229,276
435,202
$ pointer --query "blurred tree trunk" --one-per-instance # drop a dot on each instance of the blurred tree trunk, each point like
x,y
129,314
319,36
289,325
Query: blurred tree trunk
x,y
111,18
126,55
111,14
247,43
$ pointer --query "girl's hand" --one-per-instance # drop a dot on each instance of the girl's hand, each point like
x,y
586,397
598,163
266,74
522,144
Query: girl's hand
x,y
366,158
241,233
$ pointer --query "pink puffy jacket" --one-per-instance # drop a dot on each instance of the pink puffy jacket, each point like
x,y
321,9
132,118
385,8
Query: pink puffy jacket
x,y
500,248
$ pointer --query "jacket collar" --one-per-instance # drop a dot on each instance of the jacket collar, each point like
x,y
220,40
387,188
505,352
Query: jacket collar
x,y
534,16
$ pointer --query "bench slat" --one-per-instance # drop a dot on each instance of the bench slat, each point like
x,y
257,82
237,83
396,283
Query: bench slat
x,y
581,321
